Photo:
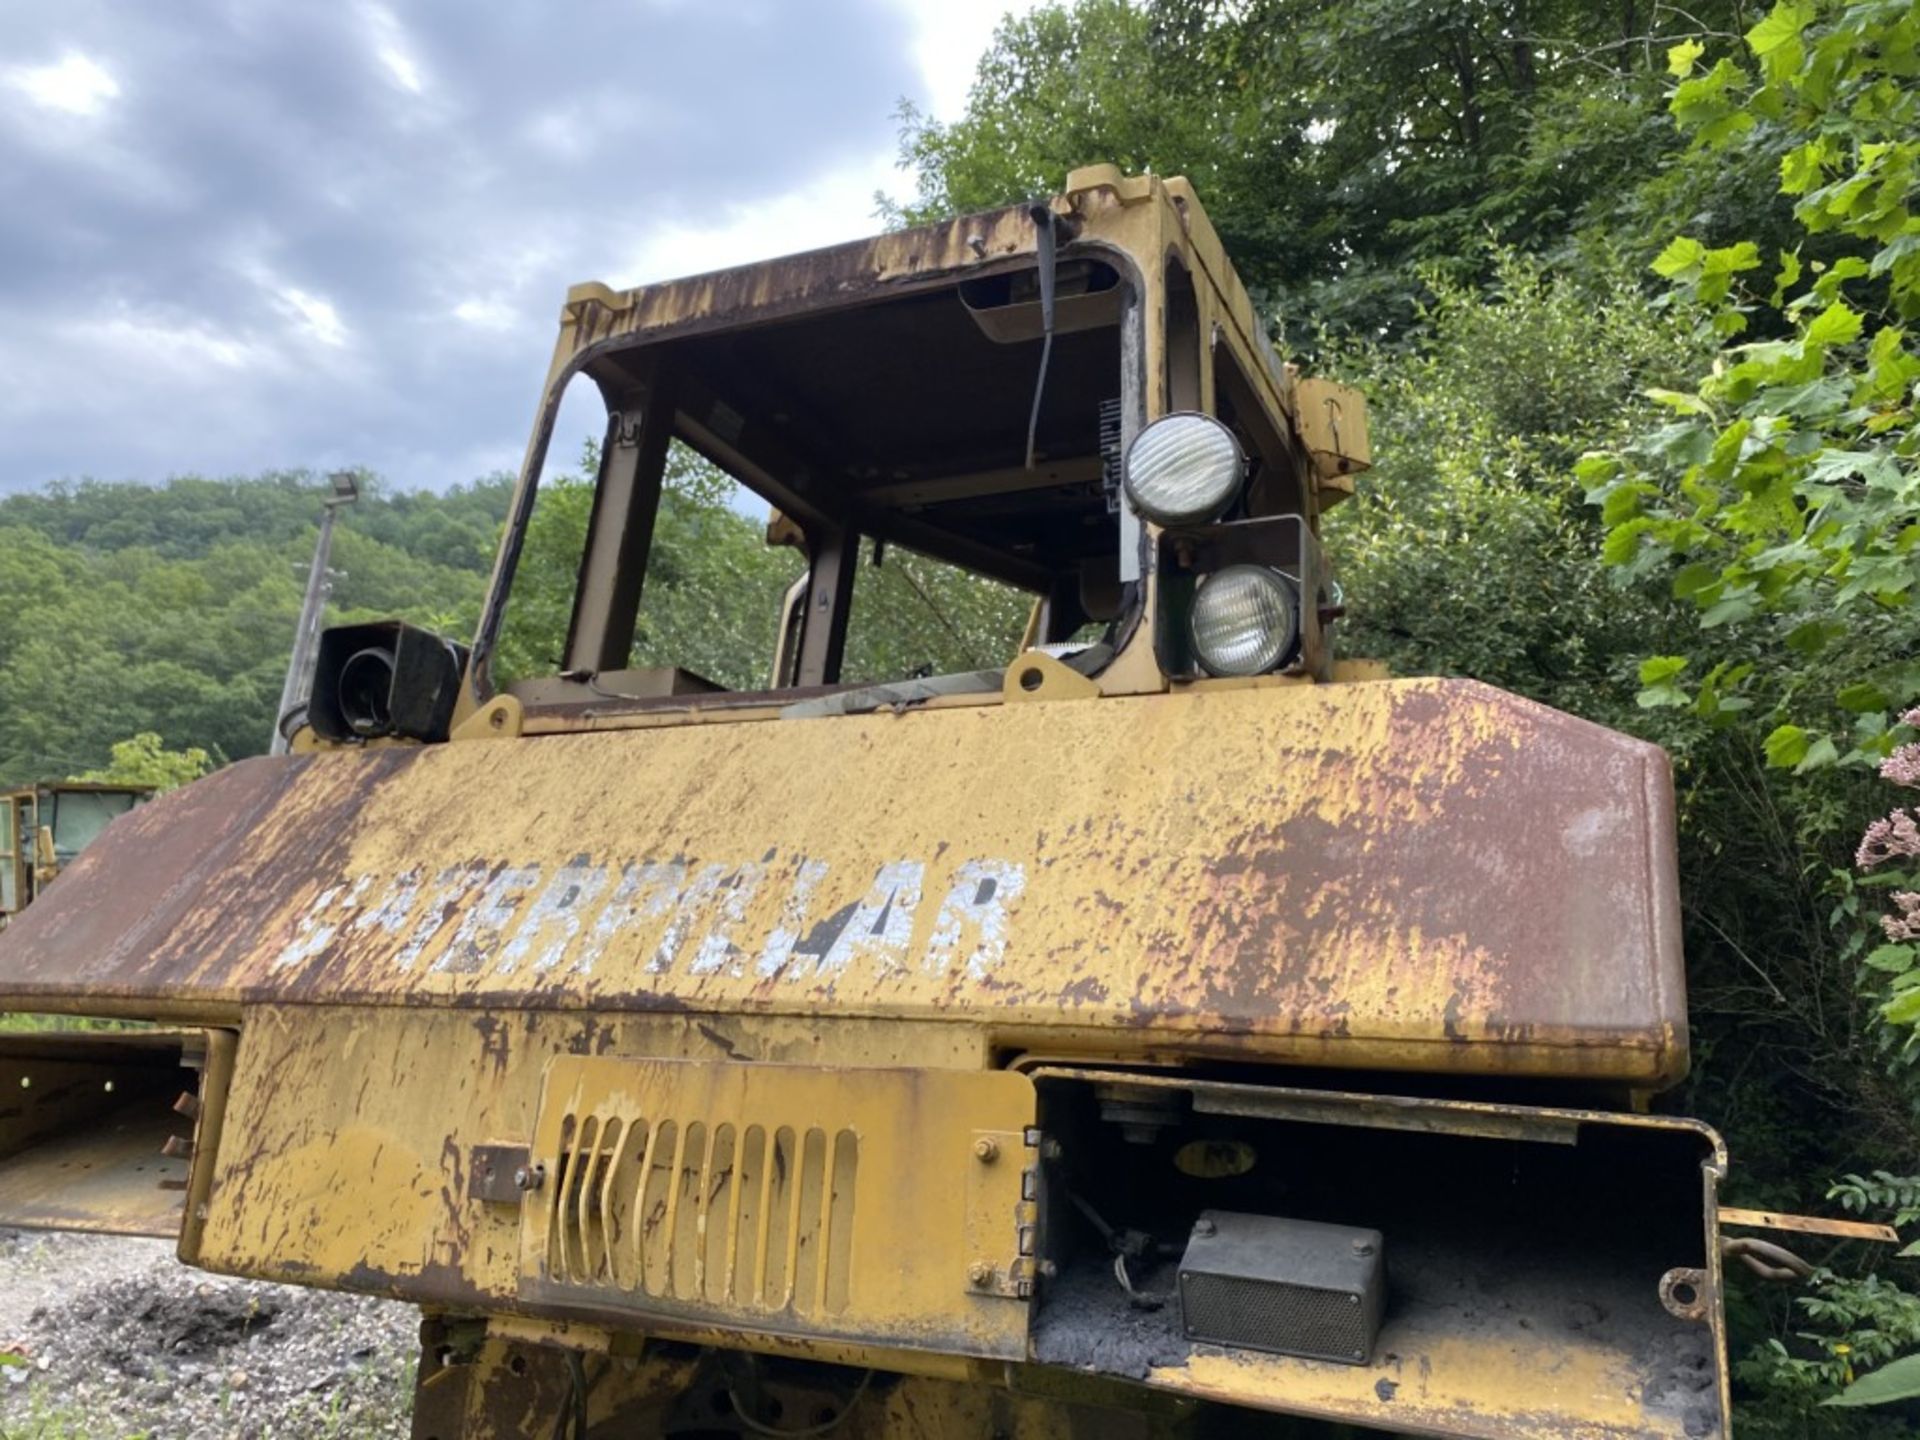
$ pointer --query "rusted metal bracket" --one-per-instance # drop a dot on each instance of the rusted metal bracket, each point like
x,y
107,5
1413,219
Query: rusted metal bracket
x,y
499,719
499,1174
992,1271
1684,1292
1809,1225
1036,675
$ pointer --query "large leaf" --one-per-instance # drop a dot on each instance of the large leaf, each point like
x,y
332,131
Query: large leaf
x,y
1899,1380
1786,746
1775,41
1838,324
1681,259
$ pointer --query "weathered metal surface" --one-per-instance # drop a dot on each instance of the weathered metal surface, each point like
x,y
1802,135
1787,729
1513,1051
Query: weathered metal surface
x,y
1809,1225
345,1158
437,957
502,1174
108,1178
367,1186
786,1199
1543,1125
512,1385
1501,1341
1416,874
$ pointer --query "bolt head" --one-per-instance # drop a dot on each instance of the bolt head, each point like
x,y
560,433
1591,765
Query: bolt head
x,y
986,1149
1363,1248
529,1177
979,1272
1203,1227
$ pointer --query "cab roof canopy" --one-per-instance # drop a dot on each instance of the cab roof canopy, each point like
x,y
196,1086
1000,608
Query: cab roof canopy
x,y
887,386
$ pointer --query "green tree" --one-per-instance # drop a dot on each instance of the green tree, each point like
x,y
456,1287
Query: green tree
x,y
144,760
1779,502
129,608
1775,505
1339,144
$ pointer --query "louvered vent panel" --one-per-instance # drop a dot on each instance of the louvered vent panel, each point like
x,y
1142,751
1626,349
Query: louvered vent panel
x,y
709,1213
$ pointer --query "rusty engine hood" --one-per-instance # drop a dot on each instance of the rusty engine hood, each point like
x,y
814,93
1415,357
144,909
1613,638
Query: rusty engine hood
x,y
1413,875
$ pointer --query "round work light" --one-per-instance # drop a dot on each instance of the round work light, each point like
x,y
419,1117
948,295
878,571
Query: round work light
x,y
1245,620
1183,469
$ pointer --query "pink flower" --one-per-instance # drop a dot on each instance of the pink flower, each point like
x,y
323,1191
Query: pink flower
x,y
1894,838
1905,925
1902,767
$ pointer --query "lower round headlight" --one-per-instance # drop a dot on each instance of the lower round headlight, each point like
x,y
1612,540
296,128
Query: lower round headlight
x,y
1245,620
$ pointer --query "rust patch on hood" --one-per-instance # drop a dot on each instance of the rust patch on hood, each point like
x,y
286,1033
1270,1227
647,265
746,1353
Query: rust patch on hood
x,y
1400,875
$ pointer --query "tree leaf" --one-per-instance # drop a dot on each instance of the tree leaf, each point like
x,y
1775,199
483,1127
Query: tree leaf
x,y
1820,754
1681,57
1730,611
1838,324
1691,580
1890,959
1802,168
1786,746
1679,400
1731,259
1775,41
1657,676
1862,697
1785,277
1681,259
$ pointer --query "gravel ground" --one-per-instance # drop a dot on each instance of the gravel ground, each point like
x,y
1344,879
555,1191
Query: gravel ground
x,y
119,1340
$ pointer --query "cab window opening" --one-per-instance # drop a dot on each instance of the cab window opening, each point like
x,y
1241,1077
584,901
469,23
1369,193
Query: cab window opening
x,y
707,618
1278,482
1185,380
833,500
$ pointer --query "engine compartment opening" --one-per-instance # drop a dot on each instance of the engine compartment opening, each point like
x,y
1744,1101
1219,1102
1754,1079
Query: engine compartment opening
x,y
1508,1237
98,1129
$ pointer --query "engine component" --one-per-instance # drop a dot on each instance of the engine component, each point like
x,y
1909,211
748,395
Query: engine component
x,y
1293,1287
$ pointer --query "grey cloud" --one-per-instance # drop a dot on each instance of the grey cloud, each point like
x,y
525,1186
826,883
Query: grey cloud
x,y
150,253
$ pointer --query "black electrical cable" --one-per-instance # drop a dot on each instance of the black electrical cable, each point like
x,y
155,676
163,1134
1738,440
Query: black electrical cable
x,y
572,1422
1045,238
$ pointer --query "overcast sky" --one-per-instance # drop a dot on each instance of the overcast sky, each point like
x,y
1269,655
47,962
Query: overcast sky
x,y
239,235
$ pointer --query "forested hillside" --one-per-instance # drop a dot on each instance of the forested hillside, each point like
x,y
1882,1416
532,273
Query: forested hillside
x,y
129,608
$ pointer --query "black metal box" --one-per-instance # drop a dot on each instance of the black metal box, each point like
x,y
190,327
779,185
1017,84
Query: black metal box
x,y
384,678
1292,1287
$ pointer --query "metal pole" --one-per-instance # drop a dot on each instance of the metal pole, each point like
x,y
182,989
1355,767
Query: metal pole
x,y
299,680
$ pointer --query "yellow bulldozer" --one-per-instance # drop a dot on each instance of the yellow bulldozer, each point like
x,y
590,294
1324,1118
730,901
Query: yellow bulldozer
x,y
1174,1029
44,827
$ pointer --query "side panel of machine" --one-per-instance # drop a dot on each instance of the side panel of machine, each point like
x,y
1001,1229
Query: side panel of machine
x,y
480,1159
1413,874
